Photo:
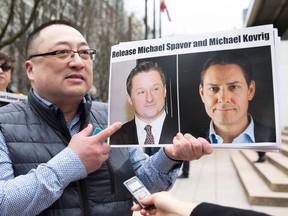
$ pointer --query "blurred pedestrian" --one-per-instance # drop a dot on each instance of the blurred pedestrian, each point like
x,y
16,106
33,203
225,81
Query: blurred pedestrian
x,y
93,93
6,71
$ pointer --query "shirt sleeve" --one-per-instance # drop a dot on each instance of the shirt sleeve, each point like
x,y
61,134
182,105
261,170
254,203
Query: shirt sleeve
x,y
157,172
30,194
209,209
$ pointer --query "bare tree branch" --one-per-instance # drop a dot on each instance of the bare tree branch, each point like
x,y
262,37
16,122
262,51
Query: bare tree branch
x,y
11,13
23,29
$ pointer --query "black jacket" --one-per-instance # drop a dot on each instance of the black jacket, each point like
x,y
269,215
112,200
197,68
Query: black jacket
x,y
208,209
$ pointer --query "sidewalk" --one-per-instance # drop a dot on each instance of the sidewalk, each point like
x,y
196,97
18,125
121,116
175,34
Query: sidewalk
x,y
213,179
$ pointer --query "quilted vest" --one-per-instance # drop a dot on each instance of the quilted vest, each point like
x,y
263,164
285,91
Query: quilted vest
x,y
35,133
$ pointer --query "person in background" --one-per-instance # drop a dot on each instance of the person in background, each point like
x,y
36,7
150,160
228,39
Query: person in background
x,y
185,170
50,162
93,93
6,71
146,88
226,88
164,204
261,157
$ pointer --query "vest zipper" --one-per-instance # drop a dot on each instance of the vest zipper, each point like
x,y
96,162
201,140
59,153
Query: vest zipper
x,y
84,195
111,177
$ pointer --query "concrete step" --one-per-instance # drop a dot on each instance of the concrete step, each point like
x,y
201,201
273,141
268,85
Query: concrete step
x,y
278,160
258,192
284,149
274,177
284,139
285,131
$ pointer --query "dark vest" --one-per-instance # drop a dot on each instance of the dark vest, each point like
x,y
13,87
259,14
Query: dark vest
x,y
35,133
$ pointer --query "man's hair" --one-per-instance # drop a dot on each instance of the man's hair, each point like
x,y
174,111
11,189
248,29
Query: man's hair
x,y
7,59
145,66
35,33
229,58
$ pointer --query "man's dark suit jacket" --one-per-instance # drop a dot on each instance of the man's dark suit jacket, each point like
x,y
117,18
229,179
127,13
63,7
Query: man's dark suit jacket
x,y
127,134
262,133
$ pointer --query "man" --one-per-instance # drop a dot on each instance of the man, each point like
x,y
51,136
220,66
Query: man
x,y
146,88
50,164
226,88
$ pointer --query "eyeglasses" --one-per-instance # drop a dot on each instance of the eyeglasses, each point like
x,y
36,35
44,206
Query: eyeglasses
x,y
64,54
5,67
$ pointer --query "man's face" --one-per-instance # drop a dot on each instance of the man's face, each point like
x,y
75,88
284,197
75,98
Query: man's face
x,y
60,80
147,95
226,95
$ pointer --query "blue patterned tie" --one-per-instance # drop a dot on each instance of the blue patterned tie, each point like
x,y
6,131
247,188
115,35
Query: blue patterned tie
x,y
149,136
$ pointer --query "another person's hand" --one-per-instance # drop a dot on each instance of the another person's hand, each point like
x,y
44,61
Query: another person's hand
x,y
91,149
187,147
165,205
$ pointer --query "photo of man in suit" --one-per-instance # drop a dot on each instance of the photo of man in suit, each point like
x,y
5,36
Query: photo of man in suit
x,y
146,88
226,88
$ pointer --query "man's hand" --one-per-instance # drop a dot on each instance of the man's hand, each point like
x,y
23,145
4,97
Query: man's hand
x,y
187,147
91,149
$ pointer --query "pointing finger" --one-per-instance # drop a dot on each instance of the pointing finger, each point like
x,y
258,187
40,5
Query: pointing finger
x,y
107,132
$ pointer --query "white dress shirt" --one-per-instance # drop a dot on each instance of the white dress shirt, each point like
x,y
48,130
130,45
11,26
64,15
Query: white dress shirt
x,y
156,128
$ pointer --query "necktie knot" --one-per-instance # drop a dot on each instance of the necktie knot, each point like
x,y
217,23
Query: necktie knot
x,y
149,136
148,128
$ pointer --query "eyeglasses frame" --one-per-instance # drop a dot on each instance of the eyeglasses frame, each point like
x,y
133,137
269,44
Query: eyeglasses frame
x,y
92,57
